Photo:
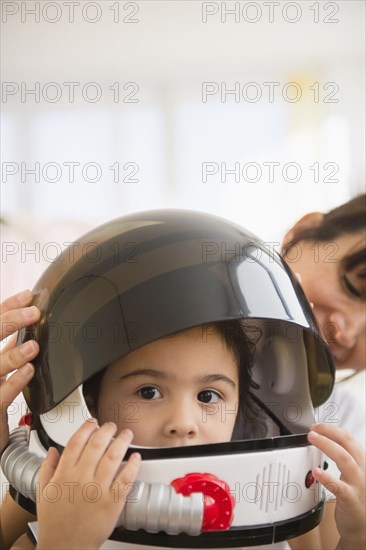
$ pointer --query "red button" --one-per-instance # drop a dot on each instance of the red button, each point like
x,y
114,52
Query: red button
x,y
309,480
219,503
26,420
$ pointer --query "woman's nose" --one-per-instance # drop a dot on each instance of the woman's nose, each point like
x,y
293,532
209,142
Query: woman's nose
x,y
341,330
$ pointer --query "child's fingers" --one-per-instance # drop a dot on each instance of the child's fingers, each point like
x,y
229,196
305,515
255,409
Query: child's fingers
x,y
76,444
123,483
114,455
48,467
96,448
343,438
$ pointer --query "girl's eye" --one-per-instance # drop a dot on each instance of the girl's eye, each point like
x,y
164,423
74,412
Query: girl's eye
x,y
149,392
208,396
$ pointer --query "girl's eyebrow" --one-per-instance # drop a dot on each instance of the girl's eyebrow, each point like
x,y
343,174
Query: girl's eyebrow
x,y
216,378
162,375
145,372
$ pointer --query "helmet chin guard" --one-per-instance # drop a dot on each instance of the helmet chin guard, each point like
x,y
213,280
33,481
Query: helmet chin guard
x,y
152,274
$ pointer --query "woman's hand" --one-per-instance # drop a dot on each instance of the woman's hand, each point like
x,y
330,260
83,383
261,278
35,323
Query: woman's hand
x,y
349,489
15,314
82,493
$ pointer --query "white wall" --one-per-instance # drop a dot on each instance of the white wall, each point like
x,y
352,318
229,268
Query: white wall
x,y
160,141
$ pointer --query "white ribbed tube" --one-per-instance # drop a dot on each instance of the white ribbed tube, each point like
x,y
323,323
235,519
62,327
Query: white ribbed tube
x,y
157,507
153,507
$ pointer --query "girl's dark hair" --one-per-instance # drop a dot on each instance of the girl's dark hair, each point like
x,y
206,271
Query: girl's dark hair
x,y
348,218
239,339
248,423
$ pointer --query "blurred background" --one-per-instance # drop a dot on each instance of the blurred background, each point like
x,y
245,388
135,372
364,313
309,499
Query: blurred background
x,y
254,111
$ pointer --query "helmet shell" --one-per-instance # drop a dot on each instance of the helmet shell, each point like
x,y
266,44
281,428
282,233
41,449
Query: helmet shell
x,y
148,275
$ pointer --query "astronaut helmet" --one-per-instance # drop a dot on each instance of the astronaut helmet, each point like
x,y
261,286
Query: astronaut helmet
x,y
149,276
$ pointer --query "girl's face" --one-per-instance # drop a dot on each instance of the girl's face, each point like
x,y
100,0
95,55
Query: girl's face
x,y
338,296
176,391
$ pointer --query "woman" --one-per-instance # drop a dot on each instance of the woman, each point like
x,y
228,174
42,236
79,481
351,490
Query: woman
x,y
328,252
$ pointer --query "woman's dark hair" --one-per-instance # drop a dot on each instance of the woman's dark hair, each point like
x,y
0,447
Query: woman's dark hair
x,y
348,218
235,336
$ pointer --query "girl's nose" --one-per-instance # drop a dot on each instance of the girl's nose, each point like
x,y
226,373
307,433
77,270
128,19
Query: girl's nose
x,y
181,422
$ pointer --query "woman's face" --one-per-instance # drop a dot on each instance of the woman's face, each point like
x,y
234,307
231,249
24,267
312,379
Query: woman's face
x,y
176,391
338,297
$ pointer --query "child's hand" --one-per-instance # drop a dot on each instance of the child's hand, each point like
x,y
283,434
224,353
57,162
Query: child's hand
x,y
81,495
14,314
348,454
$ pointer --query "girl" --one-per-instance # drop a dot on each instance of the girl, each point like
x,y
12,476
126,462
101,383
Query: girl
x,y
179,406
170,412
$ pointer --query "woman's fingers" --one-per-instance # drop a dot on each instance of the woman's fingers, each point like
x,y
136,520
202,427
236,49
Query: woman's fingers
x,y
16,357
349,456
15,384
344,448
13,320
10,344
48,467
331,483
345,462
21,299
15,314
